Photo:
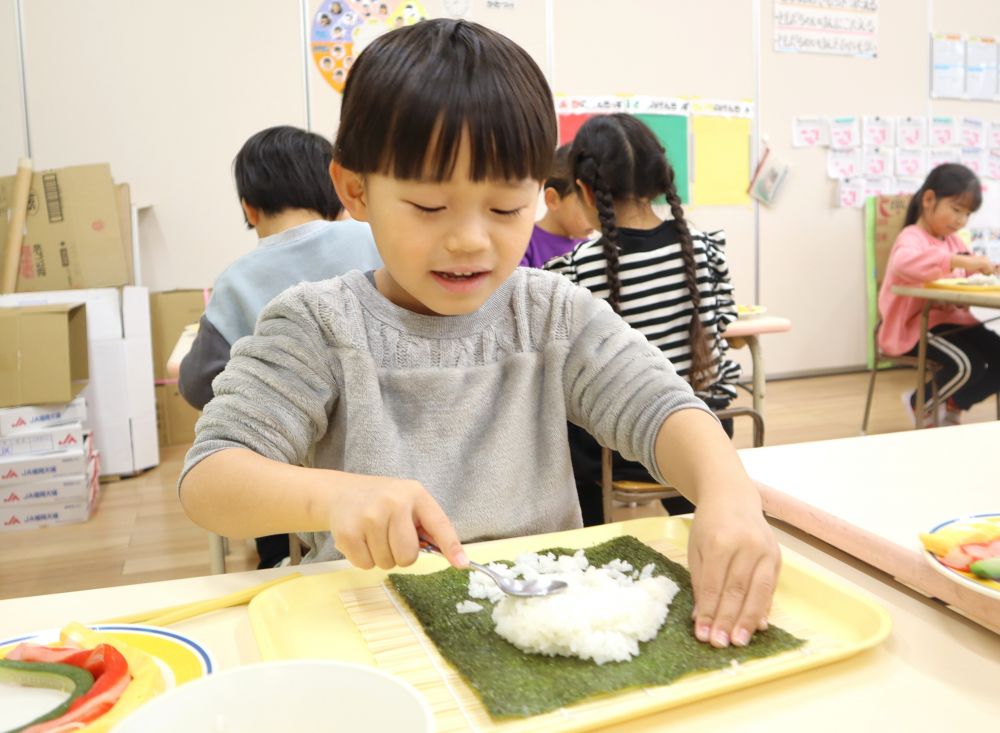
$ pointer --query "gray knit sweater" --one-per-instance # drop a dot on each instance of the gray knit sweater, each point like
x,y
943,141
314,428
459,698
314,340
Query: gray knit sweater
x,y
472,406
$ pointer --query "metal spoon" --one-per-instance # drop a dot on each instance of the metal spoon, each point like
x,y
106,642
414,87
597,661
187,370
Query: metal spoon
x,y
540,586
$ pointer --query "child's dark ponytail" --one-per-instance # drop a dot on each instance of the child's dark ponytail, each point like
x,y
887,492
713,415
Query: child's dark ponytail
x,y
589,171
947,180
621,160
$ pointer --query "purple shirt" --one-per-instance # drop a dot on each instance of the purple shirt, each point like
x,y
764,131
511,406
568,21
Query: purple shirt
x,y
544,246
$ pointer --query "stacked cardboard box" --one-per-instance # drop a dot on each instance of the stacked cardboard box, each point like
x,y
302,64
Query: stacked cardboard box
x,y
171,312
48,468
120,398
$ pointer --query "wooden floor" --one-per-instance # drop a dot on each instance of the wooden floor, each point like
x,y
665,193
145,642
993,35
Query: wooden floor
x,y
140,533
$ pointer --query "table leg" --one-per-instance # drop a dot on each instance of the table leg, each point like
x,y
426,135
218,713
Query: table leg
x,y
757,359
216,554
922,365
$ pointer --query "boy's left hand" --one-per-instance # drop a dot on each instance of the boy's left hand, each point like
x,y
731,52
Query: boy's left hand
x,y
734,561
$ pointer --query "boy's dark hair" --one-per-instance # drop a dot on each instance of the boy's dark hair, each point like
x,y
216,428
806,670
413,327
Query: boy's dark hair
x,y
621,160
415,91
286,168
947,180
560,177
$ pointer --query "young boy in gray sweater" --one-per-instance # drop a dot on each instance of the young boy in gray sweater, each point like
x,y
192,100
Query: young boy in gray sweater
x,y
432,394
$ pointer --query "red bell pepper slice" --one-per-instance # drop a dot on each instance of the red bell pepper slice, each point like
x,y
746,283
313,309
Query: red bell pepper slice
x,y
111,677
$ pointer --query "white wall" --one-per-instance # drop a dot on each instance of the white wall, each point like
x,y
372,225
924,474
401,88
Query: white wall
x,y
168,94
12,140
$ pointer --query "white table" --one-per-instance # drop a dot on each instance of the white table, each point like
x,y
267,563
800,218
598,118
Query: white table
x,y
870,496
937,671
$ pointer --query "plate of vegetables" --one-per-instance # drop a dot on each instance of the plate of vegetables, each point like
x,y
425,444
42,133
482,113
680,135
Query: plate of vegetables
x,y
86,679
967,550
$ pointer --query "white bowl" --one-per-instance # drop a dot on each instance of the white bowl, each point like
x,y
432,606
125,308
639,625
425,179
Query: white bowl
x,y
300,695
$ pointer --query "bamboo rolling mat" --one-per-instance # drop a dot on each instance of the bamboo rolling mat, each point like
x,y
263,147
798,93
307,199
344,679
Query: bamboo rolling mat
x,y
399,646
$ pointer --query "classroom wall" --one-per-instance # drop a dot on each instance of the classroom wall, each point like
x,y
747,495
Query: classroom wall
x,y
12,143
168,94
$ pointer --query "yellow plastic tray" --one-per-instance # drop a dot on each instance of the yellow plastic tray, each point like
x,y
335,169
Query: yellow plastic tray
x,y
352,616
959,283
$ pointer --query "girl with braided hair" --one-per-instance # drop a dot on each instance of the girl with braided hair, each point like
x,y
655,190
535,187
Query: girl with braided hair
x,y
665,279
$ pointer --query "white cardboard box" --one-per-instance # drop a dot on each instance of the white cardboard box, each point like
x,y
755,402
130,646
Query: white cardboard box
x,y
16,420
121,403
24,469
32,516
62,489
46,440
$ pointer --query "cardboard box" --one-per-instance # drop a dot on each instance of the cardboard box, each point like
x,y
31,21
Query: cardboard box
x,y
15,420
175,418
43,354
63,489
73,235
47,440
121,405
25,469
32,516
169,313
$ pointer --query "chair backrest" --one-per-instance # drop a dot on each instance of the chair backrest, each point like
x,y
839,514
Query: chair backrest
x,y
884,216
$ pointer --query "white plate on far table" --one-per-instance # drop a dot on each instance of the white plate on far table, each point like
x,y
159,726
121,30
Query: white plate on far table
x,y
744,312
990,588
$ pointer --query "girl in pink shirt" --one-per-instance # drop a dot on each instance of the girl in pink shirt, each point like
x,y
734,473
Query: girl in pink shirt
x,y
927,249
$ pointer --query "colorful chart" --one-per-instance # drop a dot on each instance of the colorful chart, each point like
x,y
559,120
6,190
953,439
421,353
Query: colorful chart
x,y
341,29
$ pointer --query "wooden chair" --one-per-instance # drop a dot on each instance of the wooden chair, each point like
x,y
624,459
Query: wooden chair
x,y
644,491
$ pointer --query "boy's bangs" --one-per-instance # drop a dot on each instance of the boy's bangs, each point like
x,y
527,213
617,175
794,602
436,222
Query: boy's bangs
x,y
417,93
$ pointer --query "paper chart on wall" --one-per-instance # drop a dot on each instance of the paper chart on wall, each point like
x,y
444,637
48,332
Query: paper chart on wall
x,y
974,159
992,165
720,160
672,132
943,131
876,161
851,192
845,132
911,162
940,156
982,57
947,65
841,164
878,131
842,27
911,132
972,132
993,135
810,132
341,29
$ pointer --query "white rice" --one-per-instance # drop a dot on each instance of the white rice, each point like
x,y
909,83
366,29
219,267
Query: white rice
x,y
602,615
468,607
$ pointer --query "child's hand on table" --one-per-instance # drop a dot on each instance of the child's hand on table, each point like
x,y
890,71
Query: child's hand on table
x,y
734,561
376,524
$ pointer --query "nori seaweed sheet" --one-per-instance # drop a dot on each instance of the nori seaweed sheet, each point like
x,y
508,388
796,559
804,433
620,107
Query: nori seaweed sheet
x,y
512,683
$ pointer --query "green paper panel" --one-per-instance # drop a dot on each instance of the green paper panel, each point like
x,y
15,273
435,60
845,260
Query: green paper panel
x,y
672,131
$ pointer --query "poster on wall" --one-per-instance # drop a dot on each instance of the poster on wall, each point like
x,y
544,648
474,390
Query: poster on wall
x,y
341,29
841,27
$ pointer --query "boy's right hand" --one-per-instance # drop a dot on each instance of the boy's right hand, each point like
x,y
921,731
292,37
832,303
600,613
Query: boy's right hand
x,y
376,523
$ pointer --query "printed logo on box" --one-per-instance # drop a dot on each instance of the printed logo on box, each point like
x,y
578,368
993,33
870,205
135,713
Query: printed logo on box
x,y
44,517
68,440
12,521
13,497
20,423
10,474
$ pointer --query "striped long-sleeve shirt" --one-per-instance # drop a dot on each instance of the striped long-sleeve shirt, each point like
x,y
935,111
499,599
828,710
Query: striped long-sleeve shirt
x,y
655,298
